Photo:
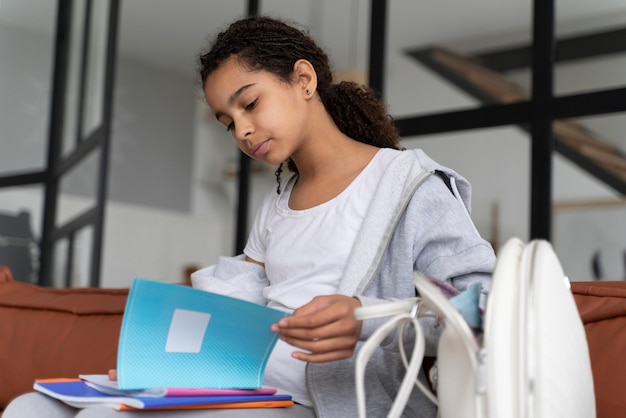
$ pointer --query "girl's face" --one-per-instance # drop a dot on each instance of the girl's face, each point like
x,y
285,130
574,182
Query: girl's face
x,y
264,114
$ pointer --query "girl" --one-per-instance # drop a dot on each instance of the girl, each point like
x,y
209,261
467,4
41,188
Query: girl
x,y
347,228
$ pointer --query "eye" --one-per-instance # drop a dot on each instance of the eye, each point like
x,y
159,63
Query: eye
x,y
252,104
230,126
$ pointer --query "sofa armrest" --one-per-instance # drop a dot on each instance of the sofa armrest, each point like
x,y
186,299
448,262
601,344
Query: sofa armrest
x,y
602,308
48,333
5,274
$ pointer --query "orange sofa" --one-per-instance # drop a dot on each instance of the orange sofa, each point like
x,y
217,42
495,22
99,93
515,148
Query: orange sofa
x,y
602,308
47,333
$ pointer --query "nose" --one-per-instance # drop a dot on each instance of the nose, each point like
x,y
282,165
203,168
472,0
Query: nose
x,y
244,129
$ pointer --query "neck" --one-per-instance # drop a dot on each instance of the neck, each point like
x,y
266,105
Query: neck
x,y
328,152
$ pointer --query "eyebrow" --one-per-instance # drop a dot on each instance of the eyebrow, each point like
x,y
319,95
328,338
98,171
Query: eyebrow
x,y
234,98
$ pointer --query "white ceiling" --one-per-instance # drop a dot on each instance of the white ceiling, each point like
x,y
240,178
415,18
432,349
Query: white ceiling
x,y
170,33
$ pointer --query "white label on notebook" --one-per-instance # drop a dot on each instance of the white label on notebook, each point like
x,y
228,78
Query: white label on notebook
x,y
186,331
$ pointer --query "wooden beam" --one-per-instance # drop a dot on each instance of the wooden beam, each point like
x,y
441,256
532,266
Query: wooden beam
x,y
492,86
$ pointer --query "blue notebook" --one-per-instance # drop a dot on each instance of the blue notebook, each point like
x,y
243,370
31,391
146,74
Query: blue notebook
x,y
177,336
77,393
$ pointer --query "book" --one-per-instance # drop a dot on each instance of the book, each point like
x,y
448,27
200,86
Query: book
x,y
102,383
76,393
176,336
182,348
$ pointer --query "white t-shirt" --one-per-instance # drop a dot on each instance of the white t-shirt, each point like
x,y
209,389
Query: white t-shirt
x,y
305,252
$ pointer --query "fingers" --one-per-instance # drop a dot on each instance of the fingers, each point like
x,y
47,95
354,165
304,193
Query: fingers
x,y
321,311
324,357
323,350
112,374
325,329
315,328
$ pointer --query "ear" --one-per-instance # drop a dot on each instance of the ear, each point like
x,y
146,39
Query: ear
x,y
305,77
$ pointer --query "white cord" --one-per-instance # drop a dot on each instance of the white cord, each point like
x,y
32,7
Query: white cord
x,y
397,307
426,391
405,317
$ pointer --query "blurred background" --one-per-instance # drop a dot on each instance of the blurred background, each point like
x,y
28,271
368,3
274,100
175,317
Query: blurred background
x,y
111,166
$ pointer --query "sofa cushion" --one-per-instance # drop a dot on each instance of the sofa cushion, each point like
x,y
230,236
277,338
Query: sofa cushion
x,y
48,332
602,307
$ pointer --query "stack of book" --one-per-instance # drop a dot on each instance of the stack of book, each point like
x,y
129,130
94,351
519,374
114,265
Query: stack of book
x,y
182,348
88,390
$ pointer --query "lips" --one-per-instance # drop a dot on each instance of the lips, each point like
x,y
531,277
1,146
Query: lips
x,y
261,149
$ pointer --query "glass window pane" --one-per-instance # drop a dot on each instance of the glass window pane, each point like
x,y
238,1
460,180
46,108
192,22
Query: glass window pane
x,y
592,52
78,247
72,94
440,58
83,243
598,73
20,226
60,256
94,86
589,217
26,55
78,189
596,141
590,239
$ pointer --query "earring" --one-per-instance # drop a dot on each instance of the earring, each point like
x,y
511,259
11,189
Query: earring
x,y
308,92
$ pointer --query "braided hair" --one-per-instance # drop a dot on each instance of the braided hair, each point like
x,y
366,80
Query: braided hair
x,y
266,44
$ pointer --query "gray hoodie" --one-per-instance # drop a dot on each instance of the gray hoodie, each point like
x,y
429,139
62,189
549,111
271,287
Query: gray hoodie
x,y
418,221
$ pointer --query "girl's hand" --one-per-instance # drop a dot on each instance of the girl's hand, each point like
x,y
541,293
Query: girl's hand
x,y
325,328
113,374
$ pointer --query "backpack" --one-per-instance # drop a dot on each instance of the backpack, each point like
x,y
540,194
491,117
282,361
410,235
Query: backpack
x,y
532,359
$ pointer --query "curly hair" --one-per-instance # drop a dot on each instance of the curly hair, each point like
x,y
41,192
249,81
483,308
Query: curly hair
x,y
262,43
